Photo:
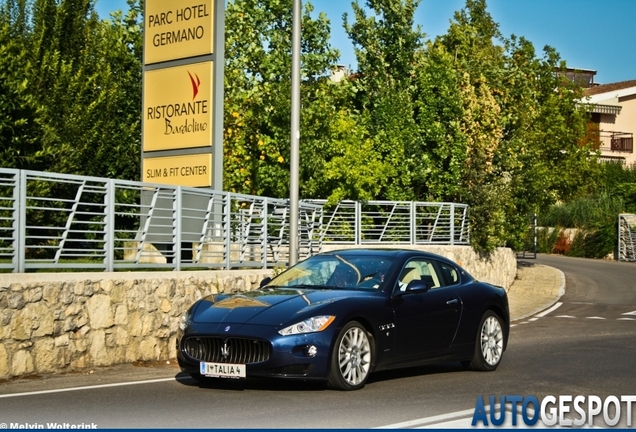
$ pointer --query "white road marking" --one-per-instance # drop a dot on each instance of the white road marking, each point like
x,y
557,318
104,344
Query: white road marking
x,y
625,319
86,387
467,414
565,316
463,420
533,319
595,317
547,311
630,313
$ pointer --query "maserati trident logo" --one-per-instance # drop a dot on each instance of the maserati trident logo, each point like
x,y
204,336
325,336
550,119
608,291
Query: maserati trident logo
x,y
225,350
196,82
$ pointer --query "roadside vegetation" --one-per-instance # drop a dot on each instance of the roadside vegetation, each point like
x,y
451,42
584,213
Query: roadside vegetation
x,y
587,226
472,116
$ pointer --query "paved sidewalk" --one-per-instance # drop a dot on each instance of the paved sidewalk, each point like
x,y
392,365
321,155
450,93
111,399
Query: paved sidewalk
x,y
536,288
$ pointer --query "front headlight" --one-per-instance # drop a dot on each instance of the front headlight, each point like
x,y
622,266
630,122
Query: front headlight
x,y
314,324
185,320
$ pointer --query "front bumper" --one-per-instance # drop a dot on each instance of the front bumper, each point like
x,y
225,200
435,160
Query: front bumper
x,y
305,356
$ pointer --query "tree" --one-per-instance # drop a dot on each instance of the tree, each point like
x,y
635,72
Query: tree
x,y
79,89
387,48
19,131
523,124
258,93
439,108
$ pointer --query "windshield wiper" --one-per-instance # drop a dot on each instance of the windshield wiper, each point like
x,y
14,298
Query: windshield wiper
x,y
308,286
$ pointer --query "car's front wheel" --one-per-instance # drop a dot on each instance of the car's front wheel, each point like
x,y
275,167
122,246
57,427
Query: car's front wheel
x,y
489,346
352,358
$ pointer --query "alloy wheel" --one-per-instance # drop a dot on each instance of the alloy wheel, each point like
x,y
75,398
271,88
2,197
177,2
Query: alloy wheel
x,y
354,356
491,340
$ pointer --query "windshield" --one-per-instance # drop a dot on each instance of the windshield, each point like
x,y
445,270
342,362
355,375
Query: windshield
x,y
335,271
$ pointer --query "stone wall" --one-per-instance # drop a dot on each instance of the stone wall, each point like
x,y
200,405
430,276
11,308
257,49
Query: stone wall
x,y
68,321
60,322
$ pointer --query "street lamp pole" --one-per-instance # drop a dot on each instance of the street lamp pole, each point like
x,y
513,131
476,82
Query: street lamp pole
x,y
295,134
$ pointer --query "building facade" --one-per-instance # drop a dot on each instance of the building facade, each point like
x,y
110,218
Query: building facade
x,y
613,122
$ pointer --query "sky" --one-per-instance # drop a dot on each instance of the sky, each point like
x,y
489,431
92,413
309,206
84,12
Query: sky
x,y
588,34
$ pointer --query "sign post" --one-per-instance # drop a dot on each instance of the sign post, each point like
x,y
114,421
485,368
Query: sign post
x,y
295,135
182,113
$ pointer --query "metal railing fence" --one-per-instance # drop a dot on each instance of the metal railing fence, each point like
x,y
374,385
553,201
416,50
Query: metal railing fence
x,y
65,221
396,222
58,221
626,237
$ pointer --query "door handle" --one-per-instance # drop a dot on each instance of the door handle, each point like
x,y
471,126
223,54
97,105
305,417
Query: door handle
x,y
452,302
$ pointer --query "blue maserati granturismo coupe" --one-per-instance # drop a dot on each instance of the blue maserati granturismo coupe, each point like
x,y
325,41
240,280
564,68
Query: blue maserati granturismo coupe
x,y
340,316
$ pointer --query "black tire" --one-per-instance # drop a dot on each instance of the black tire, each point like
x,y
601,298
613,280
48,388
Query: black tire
x,y
351,358
489,344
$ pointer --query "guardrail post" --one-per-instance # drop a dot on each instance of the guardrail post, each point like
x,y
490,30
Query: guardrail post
x,y
228,230
358,222
21,233
265,232
452,224
109,226
177,210
413,223
536,228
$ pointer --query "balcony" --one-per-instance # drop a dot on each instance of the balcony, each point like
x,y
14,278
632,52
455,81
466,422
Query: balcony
x,y
616,142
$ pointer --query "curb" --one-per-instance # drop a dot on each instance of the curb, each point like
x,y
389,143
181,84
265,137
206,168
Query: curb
x,y
550,302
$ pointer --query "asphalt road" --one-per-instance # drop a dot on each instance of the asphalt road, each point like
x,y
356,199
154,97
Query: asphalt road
x,y
586,346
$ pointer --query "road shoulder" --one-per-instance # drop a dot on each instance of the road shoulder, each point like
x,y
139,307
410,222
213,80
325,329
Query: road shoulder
x,y
536,288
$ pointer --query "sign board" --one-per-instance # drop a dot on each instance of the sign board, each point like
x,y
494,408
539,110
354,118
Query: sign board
x,y
182,102
186,170
176,29
177,107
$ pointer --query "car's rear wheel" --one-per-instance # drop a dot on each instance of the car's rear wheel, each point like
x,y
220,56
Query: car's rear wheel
x,y
352,358
490,343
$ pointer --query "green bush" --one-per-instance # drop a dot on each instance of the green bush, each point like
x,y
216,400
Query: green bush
x,y
601,242
577,247
594,215
547,238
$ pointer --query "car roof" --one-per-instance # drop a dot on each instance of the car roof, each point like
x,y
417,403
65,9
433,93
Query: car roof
x,y
384,252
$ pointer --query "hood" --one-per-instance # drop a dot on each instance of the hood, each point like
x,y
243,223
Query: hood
x,y
265,306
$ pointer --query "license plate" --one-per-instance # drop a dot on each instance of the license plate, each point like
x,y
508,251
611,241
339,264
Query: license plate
x,y
222,370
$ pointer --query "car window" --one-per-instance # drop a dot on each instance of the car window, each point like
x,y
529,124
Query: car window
x,y
316,272
335,271
449,274
419,269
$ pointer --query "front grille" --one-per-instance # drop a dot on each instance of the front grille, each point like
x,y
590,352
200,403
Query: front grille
x,y
231,350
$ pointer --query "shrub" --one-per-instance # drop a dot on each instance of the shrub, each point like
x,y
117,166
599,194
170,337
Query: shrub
x,y
595,216
546,239
577,247
562,245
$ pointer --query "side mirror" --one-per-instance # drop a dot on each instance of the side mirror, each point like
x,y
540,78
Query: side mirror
x,y
265,282
418,286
